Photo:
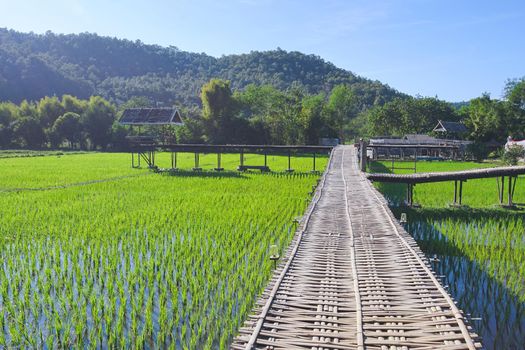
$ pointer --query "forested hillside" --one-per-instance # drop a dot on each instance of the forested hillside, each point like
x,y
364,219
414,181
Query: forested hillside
x,y
33,66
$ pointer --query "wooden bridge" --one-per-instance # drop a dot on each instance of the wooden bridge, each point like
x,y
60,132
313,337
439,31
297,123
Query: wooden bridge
x,y
353,278
459,177
145,148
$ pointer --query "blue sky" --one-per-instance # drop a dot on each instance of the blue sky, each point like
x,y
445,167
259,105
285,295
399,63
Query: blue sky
x,y
455,50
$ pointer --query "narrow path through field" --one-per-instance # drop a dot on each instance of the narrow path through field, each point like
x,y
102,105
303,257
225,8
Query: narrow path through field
x,y
353,278
74,184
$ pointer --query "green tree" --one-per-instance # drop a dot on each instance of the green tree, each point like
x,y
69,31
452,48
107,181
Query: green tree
x,y
513,154
515,92
514,114
290,118
358,127
28,109
311,118
386,119
29,133
422,114
97,121
341,108
484,119
265,107
118,137
49,109
409,116
218,111
8,113
68,127
192,130
478,151
73,104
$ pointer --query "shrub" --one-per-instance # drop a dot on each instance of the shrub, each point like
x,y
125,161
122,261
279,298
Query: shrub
x,y
478,151
513,154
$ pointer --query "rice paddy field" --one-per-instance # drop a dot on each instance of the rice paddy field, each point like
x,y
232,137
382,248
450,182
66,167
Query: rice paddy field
x,y
479,249
15,153
95,254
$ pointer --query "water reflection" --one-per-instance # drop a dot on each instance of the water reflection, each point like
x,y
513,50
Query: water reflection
x,y
496,315
480,252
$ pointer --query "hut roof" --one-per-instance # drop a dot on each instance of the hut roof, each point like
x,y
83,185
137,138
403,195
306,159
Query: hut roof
x,y
455,127
151,116
420,138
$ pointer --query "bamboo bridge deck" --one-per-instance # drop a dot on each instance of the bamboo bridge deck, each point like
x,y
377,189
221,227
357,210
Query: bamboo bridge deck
x,y
353,278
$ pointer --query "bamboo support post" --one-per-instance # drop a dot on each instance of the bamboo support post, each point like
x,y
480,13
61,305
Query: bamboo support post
x,y
219,168
289,162
173,160
410,195
197,162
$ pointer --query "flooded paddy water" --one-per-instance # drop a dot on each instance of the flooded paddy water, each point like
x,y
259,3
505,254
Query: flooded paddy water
x,y
478,250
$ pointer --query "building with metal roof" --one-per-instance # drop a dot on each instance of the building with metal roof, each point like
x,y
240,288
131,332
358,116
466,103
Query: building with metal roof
x,y
450,127
416,146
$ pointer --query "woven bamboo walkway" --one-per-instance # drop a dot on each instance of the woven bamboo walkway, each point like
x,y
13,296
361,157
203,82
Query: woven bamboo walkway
x,y
353,279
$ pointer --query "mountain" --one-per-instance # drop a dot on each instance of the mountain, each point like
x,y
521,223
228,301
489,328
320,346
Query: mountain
x,y
33,66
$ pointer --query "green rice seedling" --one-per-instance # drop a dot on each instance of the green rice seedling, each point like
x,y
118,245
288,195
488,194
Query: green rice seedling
x,y
482,238
134,261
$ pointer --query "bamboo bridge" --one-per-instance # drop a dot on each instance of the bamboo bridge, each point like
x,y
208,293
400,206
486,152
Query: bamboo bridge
x,y
353,278
499,173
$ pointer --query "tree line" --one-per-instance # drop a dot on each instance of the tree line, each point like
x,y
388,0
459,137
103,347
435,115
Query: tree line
x,y
258,114
487,119
266,115
255,115
52,122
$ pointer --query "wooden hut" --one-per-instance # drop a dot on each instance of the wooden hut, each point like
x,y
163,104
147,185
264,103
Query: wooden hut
x,y
450,130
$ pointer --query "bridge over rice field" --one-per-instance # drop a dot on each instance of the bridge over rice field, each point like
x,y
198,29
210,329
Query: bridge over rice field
x,y
353,278
459,177
145,149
